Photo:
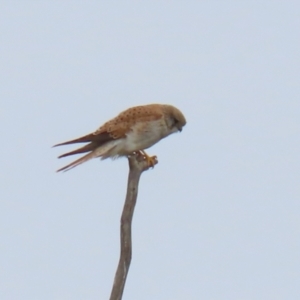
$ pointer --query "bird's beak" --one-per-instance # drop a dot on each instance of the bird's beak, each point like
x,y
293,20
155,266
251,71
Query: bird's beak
x,y
180,129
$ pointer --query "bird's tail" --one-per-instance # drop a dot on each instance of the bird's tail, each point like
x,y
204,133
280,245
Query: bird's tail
x,y
100,138
79,161
104,151
87,148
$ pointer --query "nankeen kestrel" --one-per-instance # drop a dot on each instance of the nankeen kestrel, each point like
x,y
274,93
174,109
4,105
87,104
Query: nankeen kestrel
x,y
133,130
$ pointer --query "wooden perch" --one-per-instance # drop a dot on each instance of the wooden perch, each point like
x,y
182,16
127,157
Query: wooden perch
x,y
137,165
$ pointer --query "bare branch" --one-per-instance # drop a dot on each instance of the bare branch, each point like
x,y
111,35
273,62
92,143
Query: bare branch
x,y
137,165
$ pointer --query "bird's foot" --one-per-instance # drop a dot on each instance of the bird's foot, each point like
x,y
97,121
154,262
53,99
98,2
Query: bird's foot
x,y
151,160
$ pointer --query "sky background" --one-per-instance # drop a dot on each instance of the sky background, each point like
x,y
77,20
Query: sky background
x,y
219,216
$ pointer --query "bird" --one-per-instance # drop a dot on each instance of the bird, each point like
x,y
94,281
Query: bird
x,y
132,131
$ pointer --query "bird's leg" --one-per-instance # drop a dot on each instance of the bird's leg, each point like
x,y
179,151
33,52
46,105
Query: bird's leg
x,y
151,160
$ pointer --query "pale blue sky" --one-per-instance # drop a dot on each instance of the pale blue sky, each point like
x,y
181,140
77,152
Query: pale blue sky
x,y
219,216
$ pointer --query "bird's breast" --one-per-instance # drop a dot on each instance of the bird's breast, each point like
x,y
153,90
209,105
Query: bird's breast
x,y
145,134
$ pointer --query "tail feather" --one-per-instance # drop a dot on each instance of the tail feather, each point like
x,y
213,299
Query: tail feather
x,y
104,151
102,145
78,161
99,138
89,147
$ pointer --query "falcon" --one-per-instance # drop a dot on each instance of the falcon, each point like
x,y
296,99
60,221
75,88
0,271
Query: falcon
x,y
132,131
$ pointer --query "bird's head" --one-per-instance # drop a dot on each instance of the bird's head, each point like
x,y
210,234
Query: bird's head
x,y
174,118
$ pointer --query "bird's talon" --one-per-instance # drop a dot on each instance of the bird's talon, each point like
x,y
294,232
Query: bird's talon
x,y
151,161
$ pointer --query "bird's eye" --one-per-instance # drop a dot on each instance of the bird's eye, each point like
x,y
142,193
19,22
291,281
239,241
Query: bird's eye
x,y
175,121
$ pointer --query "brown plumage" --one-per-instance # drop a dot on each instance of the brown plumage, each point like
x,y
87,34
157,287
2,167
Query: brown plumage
x,y
134,129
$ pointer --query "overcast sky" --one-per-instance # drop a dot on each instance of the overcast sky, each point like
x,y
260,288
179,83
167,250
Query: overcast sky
x,y
219,216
